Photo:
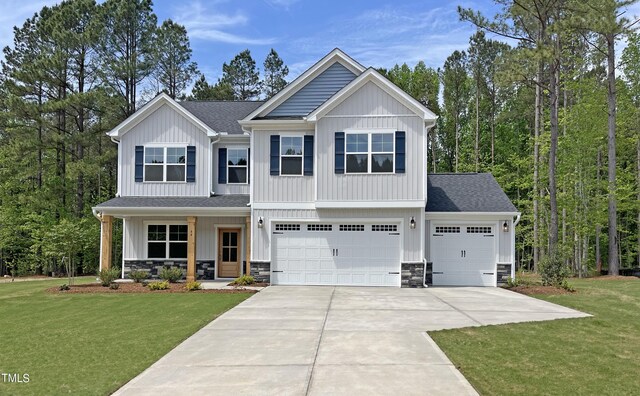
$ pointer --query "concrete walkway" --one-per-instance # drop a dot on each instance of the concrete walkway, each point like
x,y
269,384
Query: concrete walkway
x,y
335,340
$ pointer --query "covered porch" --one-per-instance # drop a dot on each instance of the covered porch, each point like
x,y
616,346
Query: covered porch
x,y
207,237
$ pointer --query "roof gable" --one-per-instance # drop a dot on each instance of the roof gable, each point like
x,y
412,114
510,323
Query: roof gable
x,y
149,108
221,116
371,75
305,78
466,192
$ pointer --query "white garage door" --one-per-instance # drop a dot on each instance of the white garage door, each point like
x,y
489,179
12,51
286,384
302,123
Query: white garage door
x,y
463,255
336,254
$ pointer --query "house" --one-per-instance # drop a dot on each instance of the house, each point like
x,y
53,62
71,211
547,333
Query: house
x,y
323,184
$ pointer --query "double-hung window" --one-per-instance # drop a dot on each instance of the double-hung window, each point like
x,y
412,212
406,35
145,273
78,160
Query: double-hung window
x,y
291,154
167,241
165,164
369,152
237,169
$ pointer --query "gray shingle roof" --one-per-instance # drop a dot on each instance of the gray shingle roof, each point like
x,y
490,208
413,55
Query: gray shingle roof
x,y
466,192
217,201
221,116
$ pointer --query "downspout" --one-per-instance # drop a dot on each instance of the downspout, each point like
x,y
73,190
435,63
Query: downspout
x,y
424,273
211,192
515,223
117,142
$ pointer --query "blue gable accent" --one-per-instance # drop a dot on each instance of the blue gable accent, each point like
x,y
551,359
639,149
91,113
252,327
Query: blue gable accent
x,y
315,93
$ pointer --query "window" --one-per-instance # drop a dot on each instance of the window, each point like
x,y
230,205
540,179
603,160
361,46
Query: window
x,y
291,155
351,227
319,227
369,152
287,227
165,164
384,227
479,230
237,161
447,230
162,244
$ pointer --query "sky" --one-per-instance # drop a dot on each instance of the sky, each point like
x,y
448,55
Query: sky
x,y
378,33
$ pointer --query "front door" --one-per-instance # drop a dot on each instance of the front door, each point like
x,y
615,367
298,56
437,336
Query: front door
x,y
228,253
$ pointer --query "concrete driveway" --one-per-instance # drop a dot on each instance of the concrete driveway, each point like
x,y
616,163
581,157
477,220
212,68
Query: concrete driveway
x,y
335,340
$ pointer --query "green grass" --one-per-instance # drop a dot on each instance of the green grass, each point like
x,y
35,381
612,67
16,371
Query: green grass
x,y
91,344
594,356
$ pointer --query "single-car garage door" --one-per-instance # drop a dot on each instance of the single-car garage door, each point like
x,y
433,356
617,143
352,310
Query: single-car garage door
x,y
463,255
336,254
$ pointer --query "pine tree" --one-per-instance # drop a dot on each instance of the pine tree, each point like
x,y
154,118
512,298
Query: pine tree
x,y
242,75
173,67
275,73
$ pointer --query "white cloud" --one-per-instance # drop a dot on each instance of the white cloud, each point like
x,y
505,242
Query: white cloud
x,y
211,24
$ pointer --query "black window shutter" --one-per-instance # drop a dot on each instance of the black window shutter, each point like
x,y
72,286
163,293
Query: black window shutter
x,y
400,151
275,155
139,163
308,155
339,141
191,164
222,166
248,165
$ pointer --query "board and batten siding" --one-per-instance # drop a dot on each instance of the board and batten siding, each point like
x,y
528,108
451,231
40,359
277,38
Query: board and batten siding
x,y
222,189
135,234
316,92
411,238
164,125
268,188
368,109
505,254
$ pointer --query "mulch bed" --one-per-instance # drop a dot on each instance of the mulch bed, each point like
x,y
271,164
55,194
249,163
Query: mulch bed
x,y
139,288
257,284
537,289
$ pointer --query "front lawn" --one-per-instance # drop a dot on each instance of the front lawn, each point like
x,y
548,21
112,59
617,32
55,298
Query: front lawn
x,y
91,344
595,356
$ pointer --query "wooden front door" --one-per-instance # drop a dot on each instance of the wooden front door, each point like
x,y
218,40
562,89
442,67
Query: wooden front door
x,y
229,253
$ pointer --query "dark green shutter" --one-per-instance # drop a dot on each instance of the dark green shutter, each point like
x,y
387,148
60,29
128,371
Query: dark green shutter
x,y
308,155
339,143
400,151
222,166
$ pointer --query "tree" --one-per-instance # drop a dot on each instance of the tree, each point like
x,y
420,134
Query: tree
x,y
242,75
174,69
456,95
202,90
275,73
126,51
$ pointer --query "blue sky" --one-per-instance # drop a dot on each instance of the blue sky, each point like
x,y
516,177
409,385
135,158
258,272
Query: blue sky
x,y
377,33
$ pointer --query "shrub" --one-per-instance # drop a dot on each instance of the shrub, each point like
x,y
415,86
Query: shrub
x,y
243,280
567,286
553,270
192,286
138,275
64,287
108,275
512,282
164,285
114,286
171,275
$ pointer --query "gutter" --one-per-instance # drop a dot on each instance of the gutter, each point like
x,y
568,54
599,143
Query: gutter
x,y
515,223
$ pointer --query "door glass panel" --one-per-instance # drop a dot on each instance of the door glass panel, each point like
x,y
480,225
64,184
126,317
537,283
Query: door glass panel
x,y
225,254
234,238
225,239
233,254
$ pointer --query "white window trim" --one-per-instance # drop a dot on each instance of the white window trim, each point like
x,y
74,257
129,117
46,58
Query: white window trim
x,y
164,164
301,156
370,153
246,167
166,241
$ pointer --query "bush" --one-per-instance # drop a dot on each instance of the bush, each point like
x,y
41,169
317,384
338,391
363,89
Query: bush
x,y
164,285
138,275
108,275
171,275
64,287
192,286
567,286
512,282
243,280
114,286
553,270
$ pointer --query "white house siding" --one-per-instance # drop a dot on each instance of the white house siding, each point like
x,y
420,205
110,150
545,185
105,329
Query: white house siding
x,y
267,188
411,238
206,241
371,108
221,189
164,125
505,254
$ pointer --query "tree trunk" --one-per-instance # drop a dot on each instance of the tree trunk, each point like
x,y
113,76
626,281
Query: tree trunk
x,y
553,147
638,186
457,141
598,254
477,148
536,159
614,264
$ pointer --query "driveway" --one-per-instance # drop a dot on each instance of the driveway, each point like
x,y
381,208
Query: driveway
x,y
335,340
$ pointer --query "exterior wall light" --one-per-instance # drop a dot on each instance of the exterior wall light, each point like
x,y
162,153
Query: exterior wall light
x,y
260,222
412,223
505,226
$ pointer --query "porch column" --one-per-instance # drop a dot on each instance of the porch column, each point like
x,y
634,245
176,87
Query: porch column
x,y
106,235
247,255
191,248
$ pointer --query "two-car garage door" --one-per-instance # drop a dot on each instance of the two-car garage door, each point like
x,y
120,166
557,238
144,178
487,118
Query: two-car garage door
x,y
336,254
